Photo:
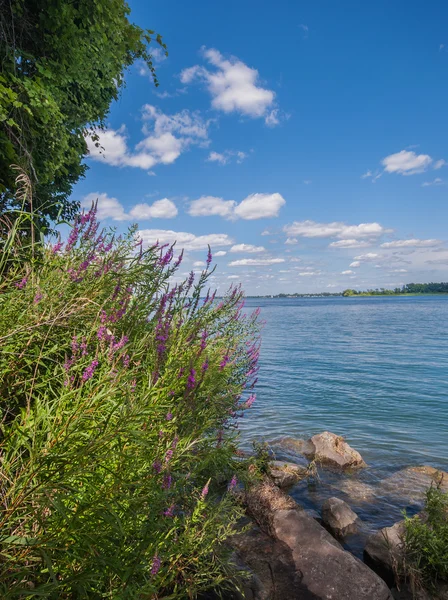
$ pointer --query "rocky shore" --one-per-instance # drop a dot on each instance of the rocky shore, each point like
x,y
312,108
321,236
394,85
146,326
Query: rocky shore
x,y
293,552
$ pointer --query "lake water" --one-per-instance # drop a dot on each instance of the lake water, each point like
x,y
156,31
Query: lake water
x,y
372,369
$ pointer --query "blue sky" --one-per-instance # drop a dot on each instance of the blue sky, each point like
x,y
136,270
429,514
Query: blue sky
x,y
306,142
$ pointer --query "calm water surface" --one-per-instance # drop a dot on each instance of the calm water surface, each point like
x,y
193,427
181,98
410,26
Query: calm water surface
x,y
374,370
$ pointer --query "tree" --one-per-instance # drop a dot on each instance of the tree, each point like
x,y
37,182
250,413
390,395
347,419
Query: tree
x,y
62,64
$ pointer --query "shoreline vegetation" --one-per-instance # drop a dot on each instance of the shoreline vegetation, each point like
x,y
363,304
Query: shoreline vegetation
x,y
410,289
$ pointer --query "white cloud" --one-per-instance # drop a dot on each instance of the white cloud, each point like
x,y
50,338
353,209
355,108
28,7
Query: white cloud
x,y
439,164
255,206
233,276
199,263
188,241
160,209
436,181
367,174
367,257
348,272
207,206
227,156
309,273
166,138
406,162
291,241
108,208
272,118
399,271
260,206
355,264
233,86
247,248
412,243
111,208
349,244
311,229
256,262
220,253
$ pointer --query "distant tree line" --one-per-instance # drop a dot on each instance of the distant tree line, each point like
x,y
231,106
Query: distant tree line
x,y
409,288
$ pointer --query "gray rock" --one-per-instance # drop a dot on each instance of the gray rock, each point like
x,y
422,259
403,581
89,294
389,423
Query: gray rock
x,y
332,450
339,518
357,491
285,474
384,552
326,570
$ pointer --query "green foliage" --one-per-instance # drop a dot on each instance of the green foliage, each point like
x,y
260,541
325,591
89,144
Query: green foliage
x,y
63,62
119,403
426,541
409,288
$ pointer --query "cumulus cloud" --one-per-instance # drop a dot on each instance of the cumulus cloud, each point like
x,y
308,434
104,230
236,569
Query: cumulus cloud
x,y
224,158
412,243
349,244
160,209
166,137
111,208
291,241
439,164
185,240
366,257
355,264
348,272
311,229
199,263
247,248
255,206
233,86
256,262
406,162
220,253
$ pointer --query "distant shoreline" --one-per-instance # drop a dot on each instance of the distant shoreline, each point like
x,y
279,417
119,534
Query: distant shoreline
x,y
341,295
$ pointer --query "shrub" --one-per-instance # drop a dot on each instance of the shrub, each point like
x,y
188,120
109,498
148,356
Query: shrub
x,y
426,541
120,393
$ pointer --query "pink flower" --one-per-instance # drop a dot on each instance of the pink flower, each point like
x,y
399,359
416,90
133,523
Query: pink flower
x,y
89,371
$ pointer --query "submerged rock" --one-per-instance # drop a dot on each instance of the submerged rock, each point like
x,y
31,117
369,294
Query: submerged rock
x,y
285,474
356,490
339,518
325,570
411,484
331,449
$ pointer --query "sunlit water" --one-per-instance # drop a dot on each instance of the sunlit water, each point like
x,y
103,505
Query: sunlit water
x,y
374,370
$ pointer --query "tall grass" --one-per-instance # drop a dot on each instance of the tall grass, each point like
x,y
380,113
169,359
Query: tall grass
x,y
119,399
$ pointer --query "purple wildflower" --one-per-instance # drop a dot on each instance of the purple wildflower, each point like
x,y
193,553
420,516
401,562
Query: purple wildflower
x,y
224,362
250,400
179,259
38,297
126,360
169,416
167,481
204,340
72,238
169,511
204,491
57,247
191,381
205,365
88,372
169,455
156,563
209,257
233,483
157,466
22,283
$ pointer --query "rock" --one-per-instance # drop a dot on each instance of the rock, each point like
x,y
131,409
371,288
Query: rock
x,y
333,450
338,517
384,551
272,573
325,569
405,593
411,484
285,474
356,490
289,446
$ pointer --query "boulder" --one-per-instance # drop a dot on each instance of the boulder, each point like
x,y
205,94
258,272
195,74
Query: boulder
x,y
338,517
326,571
330,449
410,484
285,474
384,551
